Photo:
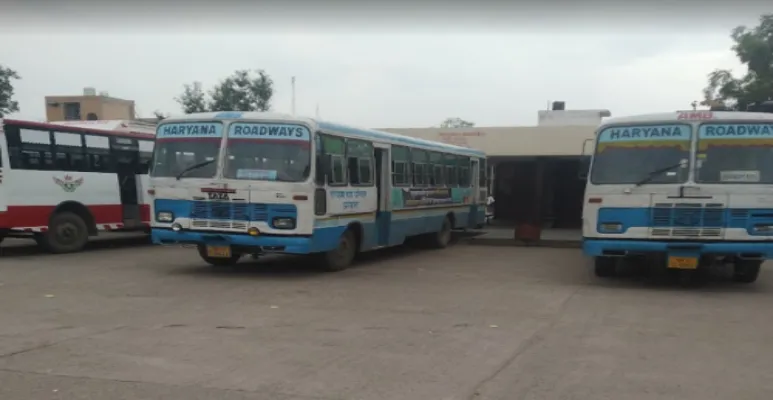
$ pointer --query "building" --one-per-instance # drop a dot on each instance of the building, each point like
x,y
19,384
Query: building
x,y
536,173
88,107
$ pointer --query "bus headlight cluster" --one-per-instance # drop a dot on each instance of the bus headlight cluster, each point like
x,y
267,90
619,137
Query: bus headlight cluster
x,y
284,223
763,229
611,227
164,216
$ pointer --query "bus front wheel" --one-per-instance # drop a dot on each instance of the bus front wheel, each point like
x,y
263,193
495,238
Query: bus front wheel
x,y
67,233
605,267
342,256
218,261
746,271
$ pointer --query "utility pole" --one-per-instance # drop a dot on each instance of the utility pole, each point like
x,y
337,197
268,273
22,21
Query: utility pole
x,y
292,106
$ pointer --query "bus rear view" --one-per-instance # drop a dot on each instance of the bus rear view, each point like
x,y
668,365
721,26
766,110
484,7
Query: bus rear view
x,y
683,191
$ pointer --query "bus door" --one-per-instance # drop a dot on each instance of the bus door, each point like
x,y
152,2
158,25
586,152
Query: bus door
x,y
384,207
127,163
3,197
475,183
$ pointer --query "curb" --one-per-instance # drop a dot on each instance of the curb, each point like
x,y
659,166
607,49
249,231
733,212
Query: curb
x,y
556,244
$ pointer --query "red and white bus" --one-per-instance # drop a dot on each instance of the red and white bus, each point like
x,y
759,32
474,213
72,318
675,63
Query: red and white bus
x,y
62,182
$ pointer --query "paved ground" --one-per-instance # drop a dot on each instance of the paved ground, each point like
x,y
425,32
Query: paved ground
x,y
469,322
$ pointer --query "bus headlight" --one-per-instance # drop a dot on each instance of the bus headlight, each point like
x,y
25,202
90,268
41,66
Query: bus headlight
x,y
284,223
164,216
610,227
763,229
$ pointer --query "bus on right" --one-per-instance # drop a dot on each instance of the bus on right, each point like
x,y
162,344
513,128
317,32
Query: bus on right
x,y
683,191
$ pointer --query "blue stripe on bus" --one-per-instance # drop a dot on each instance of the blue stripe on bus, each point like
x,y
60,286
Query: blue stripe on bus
x,y
324,236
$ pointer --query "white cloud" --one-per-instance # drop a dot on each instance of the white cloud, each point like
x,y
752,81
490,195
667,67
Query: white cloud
x,y
384,80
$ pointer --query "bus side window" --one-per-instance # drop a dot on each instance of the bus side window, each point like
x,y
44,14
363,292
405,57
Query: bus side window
x,y
452,170
401,162
146,155
334,156
420,167
35,150
437,175
68,151
319,157
359,154
97,153
464,172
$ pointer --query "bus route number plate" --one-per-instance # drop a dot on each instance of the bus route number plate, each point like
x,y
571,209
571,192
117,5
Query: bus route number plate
x,y
219,251
682,262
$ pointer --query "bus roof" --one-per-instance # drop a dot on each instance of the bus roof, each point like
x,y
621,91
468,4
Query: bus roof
x,y
367,134
691,116
107,127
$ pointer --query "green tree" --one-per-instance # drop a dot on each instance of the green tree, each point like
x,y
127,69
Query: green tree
x,y
193,99
456,123
754,48
244,90
160,116
7,104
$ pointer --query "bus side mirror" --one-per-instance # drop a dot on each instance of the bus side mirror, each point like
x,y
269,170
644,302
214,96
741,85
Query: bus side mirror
x,y
323,166
582,173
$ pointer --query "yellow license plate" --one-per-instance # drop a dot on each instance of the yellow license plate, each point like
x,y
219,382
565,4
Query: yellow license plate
x,y
219,251
683,262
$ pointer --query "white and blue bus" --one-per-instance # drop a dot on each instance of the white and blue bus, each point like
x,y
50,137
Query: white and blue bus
x,y
241,183
686,188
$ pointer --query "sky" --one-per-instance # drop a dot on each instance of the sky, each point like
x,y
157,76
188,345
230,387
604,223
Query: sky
x,y
386,67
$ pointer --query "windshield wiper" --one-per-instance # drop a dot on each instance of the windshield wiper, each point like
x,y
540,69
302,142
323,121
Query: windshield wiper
x,y
654,174
194,166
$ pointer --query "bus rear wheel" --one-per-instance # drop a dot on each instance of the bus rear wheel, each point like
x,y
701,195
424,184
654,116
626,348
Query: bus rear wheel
x,y
67,233
342,256
441,238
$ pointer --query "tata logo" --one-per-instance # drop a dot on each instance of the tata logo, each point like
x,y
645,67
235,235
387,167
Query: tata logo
x,y
218,196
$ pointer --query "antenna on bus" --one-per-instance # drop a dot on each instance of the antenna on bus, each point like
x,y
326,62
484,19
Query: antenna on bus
x,y
292,105
317,112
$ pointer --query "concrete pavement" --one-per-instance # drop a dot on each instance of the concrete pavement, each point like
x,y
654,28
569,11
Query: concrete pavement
x,y
468,322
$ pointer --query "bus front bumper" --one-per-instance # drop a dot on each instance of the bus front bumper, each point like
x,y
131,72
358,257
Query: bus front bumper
x,y
272,243
607,247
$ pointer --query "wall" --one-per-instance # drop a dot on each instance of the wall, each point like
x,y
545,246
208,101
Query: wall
x,y
511,141
104,107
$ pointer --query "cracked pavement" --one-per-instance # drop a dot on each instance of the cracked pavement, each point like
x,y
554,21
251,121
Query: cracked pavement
x,y
468,322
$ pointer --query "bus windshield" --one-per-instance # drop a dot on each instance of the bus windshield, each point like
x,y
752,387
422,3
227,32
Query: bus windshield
x,y
180,146
268,152
735,153
630,154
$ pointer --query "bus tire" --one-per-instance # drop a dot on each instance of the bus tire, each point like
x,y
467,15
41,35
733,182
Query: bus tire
x,y
217,261
605,267
342,256
67,233
441,238
746,271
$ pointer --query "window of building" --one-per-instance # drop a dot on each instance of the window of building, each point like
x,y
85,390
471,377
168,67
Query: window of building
x,y
72,111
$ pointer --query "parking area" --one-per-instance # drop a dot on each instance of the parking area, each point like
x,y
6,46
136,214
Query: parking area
x,y
468,322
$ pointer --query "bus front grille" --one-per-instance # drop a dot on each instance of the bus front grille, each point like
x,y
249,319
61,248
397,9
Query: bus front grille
x,y
225,211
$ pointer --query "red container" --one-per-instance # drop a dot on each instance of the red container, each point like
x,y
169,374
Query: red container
x,y
528,232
